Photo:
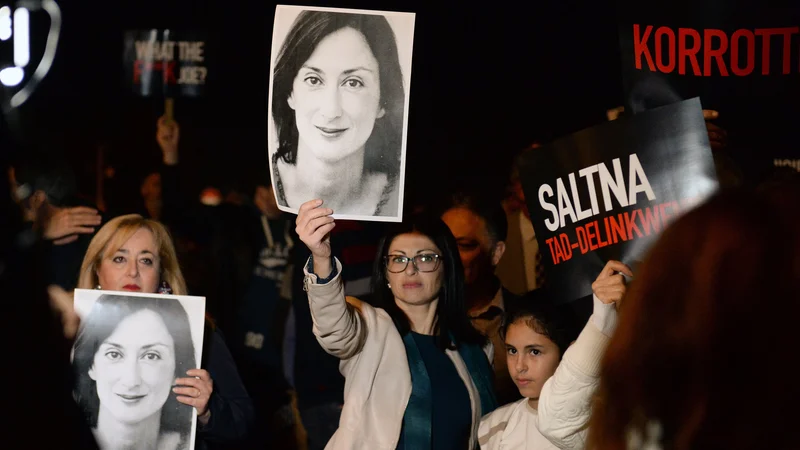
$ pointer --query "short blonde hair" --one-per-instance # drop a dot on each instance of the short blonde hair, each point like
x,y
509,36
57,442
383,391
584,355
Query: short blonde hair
x,y
113,235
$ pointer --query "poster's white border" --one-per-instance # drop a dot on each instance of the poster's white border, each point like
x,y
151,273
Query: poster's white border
x,y
411,17
84,300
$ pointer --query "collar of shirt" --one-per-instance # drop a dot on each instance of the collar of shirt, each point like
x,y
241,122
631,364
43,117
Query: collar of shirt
x,y
487,312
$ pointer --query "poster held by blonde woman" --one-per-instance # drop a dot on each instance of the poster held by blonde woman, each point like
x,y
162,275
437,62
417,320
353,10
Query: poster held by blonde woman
x,y
338,109
130,350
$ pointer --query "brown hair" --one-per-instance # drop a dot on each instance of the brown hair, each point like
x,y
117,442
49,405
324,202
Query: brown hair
x,y
114,234
700,349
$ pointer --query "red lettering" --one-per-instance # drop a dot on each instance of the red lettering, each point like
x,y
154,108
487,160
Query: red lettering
x,y
549,243
581,234
169,73
559,253
650,220
751,53
640,47
567,248
608,234
690,53
787,45
660,32
766,35
665,217
618,228
630,224
716,53
590,235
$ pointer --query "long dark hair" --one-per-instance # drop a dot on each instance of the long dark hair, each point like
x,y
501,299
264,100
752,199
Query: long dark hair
x,y
451,310
100,323
383,147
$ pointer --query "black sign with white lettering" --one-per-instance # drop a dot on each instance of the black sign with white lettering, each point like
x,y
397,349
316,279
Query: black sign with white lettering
x,y
741,58
607,192
165,62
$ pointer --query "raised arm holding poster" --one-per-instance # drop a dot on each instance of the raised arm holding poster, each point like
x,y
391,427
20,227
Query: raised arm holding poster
x,y
338,109
741,58
607,192
129,351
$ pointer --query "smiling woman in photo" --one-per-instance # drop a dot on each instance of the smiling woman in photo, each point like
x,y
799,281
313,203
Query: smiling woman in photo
x,y
338,103
127,356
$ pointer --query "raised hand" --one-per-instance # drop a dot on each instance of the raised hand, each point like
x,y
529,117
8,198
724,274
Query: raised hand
x,y
65,224
168,134
314,224
610,286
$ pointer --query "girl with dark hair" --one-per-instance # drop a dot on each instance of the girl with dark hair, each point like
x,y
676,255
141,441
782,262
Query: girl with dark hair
x,y
417,373
338,107
127,355
554,372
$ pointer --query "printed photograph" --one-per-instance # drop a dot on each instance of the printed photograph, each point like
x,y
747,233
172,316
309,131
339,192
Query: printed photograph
x,y
338,109
129,351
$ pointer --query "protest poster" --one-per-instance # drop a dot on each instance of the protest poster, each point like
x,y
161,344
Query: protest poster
x,y
165,63
338,110
741,58
130,349
607,192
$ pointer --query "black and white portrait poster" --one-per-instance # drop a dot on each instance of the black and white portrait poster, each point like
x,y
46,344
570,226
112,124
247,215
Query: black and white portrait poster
x,y
338,109
129,351
607,192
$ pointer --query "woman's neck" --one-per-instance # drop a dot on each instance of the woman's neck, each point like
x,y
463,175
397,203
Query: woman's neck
x,y
421,318
112,434
336,183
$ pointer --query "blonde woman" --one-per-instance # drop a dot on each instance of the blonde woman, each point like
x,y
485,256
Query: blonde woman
x,y
134,254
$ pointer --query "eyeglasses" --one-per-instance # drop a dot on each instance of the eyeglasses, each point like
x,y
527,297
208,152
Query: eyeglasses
x,y
427,262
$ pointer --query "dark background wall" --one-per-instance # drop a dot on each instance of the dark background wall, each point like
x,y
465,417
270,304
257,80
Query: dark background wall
x,y
487,79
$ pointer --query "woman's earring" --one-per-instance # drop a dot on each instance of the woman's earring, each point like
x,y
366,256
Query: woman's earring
x,y
165,288
389,284
99,287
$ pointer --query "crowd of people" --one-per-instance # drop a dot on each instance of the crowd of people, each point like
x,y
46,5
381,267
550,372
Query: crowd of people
x,y
343,334
437,332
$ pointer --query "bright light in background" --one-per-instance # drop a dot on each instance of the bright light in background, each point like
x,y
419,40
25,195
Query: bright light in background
x,y
5,23
22,51
11,76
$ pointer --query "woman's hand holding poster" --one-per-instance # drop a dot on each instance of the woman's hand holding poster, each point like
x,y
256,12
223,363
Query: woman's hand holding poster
x,y
607,192
130,351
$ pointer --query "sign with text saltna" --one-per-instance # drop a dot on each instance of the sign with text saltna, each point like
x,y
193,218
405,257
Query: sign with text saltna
x,y
607,192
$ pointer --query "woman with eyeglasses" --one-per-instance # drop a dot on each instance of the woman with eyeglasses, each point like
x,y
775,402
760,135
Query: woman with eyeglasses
x,y
417,373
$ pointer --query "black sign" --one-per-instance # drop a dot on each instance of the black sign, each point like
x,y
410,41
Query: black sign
x,y
165,63
741,58
607,192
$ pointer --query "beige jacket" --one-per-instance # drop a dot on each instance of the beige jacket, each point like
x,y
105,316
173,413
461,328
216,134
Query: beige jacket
x,y
374,363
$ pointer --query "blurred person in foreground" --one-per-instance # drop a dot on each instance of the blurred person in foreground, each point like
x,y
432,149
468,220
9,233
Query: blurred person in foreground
x,y
696,359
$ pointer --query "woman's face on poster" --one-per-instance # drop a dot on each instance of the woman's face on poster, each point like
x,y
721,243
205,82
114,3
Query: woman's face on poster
x,y
134,368
336,96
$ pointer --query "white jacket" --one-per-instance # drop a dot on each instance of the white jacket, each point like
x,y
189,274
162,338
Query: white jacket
x,y
562,419
374,363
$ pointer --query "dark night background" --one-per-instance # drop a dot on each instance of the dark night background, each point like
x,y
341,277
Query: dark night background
x,y
487,79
